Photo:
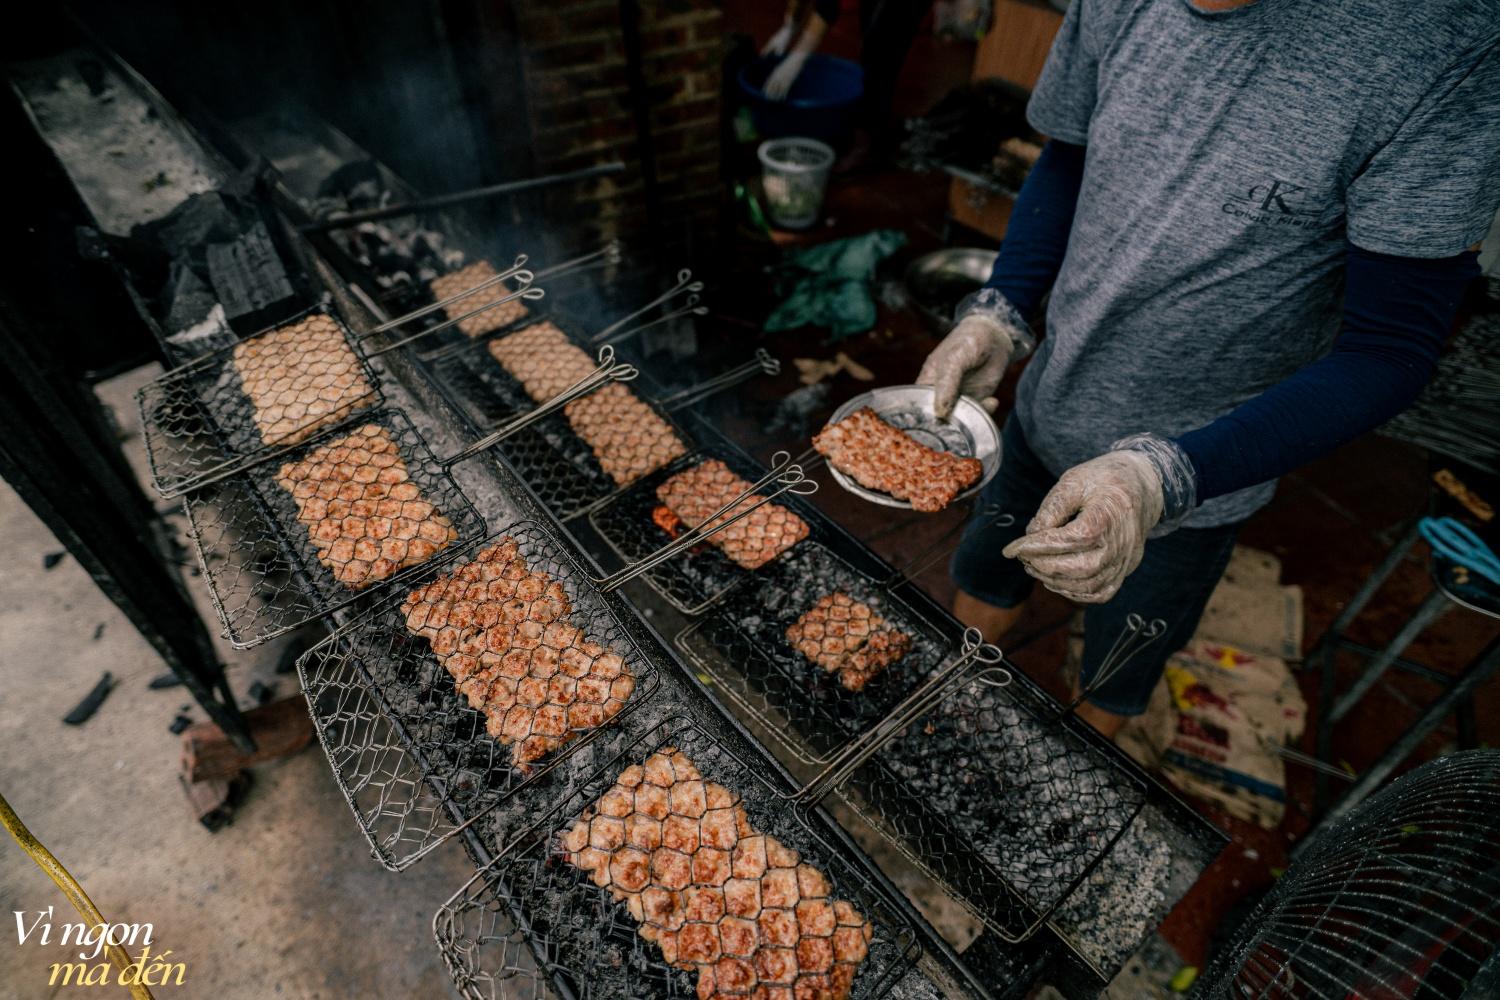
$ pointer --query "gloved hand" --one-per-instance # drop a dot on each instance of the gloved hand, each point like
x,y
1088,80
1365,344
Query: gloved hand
x,y
971,361
779,83
1090,531
777,44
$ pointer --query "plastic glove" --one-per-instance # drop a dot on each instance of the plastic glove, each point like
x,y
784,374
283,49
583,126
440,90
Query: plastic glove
x,y
779,83
777,44
970,361
1090,532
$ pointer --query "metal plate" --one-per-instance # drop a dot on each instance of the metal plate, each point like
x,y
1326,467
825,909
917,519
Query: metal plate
x,y
969,433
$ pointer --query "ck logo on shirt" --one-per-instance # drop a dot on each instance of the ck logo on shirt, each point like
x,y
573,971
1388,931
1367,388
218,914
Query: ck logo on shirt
x,y
1274,202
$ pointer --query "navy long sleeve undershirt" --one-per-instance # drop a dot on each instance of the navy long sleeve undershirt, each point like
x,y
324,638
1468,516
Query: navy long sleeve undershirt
x,y
1037,237
1397,314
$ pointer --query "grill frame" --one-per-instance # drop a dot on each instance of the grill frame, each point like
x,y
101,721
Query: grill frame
x,y
341,662
494,886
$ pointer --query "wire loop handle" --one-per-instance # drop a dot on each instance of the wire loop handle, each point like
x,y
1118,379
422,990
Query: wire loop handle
x,y
972,649
990,513
1133,638
786,474
516,270
609,255
607,372
685,283
523,291
762,364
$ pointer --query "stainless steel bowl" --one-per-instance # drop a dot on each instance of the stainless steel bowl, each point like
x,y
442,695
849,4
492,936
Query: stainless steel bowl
x,y
937,281
969,433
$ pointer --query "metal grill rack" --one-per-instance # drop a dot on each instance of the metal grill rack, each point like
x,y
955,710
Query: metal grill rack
x,y
262,569
742,645
531,924
997,801
694,580
408,752
200,425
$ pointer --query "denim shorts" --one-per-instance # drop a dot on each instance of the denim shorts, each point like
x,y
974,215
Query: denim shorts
x,y
1176,576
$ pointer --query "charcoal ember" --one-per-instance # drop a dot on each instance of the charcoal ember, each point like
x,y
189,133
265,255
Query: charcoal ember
x,y
85,709
249,279
163,681
179,723
186,298
358,184
202,219
1034,805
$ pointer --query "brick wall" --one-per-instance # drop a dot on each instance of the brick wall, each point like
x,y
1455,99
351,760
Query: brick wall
x,y
579,100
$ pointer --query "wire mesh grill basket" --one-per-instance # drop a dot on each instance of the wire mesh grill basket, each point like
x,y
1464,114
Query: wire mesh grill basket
x,y
1397,899
743,645
630,523
549,457
997,800
415,758
264,571
533,923
200,423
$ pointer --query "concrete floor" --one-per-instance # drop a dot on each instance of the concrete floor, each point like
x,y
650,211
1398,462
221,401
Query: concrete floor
x,y
285,902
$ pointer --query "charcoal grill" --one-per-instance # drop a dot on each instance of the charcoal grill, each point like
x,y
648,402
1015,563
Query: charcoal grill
x,y
531,924
199,423
407,751
262,571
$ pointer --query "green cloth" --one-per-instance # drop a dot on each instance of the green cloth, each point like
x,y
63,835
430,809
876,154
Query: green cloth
x,y
831,285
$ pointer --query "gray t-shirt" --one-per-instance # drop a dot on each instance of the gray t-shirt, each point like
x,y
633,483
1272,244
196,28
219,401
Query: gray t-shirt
x,y
1230,155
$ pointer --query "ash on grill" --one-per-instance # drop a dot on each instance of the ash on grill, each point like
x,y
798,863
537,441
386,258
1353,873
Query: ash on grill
x,y
994,798
532,920
748,631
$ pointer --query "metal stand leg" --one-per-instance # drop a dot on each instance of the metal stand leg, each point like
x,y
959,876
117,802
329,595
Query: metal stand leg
x,y
1482,669
1431,610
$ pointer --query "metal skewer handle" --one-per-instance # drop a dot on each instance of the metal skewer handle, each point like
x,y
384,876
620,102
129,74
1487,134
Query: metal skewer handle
x,y
607,372
762,364
785,474
1133,638
685,283
609,255
992,516
973,649
516,270
690,307
524,291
